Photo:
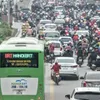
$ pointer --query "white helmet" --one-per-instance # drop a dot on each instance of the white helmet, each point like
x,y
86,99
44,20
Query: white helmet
x,y
98,57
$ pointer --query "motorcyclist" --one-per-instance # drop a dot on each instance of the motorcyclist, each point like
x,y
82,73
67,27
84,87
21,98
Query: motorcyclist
x,y
92,57
97,63
51,48
27,25
56,67
23,29
68,51
46,51
80,53
29,31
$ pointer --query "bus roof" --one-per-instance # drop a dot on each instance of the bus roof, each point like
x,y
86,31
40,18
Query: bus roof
x,y
17,40
23,47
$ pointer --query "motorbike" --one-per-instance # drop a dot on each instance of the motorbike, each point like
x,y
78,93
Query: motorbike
x,y
56,78
68,53
80,61
91,64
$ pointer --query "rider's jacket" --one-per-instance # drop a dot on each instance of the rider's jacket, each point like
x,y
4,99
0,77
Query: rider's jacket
x,y
56,68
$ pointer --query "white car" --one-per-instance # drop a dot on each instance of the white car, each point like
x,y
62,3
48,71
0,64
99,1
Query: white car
x,y
69,66
43,22
65,40
82,32
50,26
84,93
59,50
51,35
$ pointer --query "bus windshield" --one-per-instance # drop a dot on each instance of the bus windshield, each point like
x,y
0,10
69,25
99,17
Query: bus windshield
x,y
19,59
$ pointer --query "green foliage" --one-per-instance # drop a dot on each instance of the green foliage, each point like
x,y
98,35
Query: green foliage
x,y
5,31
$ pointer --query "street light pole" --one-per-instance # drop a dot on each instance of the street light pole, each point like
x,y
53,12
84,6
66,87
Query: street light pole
x,y
9,12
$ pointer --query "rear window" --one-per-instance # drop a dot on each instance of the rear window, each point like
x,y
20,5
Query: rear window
x,y
65,39
50,26
56,45
93,76
66,60
45,22
52,34
59,21
87,96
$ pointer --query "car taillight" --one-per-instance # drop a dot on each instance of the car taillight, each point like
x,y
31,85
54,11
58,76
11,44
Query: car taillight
x,y
60,49
84,84
74,66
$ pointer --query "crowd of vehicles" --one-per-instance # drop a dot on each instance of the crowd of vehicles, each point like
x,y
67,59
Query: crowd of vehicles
x,y
70,34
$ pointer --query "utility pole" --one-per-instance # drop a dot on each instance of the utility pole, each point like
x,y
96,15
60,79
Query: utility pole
x,y
9,12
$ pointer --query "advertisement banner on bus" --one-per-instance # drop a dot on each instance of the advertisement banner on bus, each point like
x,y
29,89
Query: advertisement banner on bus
x,y
19,86
19,59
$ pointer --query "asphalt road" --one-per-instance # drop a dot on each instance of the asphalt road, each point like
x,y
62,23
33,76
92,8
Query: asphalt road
x,y
52,91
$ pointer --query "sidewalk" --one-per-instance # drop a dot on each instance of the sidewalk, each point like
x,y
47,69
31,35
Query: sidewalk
x,y
18,25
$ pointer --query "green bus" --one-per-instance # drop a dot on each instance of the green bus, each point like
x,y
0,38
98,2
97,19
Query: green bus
x,y
22,72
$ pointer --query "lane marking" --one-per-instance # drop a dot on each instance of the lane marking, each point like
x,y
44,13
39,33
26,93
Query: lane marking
x,y
51,90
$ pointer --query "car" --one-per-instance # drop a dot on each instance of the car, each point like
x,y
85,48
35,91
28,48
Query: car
x,y
82,32
59,8
51,35
59,50
84,93
69,67
50,26
95,18
59,23
91,79
65,40
44,21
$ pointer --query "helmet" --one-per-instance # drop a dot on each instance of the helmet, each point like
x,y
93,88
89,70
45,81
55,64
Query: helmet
x,y
98,57
23,24
29,26
56,62
91,48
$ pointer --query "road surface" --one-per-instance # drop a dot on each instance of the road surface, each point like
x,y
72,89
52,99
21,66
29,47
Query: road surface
x,y
52,91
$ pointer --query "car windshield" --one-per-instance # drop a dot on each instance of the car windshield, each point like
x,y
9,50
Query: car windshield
x,y
65,39
66,60
87,96
52,34
56,45
95,76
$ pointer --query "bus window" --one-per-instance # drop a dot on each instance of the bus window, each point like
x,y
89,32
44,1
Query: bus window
x,y
19,59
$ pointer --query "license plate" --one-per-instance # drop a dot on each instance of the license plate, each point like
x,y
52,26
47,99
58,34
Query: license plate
x,y
57,75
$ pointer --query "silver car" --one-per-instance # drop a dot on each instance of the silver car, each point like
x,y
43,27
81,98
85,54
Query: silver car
x,y
91,79
87,93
